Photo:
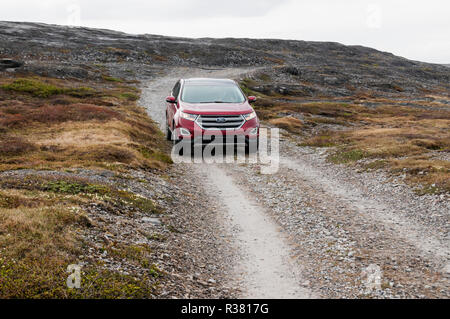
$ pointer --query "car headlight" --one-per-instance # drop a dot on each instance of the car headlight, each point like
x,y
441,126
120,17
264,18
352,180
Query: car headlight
x,y
187,116
249,116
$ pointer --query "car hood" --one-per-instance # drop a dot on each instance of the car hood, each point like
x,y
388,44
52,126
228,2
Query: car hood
x,y
217,108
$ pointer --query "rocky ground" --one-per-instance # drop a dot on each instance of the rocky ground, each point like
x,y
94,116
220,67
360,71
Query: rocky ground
x,y
340,221
185,240
313,229
337,221
303,68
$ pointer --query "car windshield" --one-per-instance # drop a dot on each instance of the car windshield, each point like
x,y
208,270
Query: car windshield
x,y
212,94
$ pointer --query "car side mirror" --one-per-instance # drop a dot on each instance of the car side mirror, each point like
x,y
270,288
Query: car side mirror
x,y
171,99
251,99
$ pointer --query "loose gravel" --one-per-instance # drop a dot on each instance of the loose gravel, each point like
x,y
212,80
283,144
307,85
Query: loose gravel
x,y
338,224
344,221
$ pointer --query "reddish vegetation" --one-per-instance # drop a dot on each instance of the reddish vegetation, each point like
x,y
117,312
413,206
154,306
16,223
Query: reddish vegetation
x,y
102,153
108,127
11,146
55,114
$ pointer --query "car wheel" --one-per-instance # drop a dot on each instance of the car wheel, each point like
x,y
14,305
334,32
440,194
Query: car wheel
x,y
168,133
173,135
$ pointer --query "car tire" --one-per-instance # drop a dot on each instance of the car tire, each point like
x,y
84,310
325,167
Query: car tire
x,y
174,136
168,133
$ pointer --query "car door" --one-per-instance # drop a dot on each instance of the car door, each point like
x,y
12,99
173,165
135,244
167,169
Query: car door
x,y
172,107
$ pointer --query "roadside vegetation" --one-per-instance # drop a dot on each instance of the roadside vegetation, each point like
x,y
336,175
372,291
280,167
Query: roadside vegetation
x,y
372,133
42,221
54,124
47,123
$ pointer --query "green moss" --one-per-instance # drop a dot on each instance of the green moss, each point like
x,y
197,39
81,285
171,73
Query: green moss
x,y
110,285
142,204
246,90
81,92
156,155
245,86
138,254
130,252
45,90
74,188
129,96
111,79
162,157
154,271
110,195
18,280
430,189
34,87
343,156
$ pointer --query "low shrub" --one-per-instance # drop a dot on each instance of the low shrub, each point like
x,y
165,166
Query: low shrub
x,y
34,87
346,156
45,90
104,153
12,146
58,114
290,124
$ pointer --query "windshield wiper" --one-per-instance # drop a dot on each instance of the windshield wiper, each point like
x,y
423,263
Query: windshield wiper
x,y
214,102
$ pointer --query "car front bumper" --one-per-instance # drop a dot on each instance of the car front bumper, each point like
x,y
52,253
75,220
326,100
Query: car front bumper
x,y
191,131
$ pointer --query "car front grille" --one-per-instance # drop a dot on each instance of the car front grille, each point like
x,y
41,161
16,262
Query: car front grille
x,y
220,122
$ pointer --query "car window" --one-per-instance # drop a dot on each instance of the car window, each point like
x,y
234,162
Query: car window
x,y
210,93
176,90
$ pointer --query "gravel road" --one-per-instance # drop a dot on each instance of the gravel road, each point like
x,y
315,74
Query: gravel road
x,y
315,229
265,268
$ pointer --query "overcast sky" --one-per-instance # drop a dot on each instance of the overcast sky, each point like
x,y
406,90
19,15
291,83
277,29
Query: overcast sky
x,y
418,30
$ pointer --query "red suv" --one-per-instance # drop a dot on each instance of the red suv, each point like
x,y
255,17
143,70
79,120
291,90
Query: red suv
x,y
203,110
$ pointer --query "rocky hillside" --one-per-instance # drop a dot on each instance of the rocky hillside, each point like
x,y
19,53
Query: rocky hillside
x,y
86,177
301,68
